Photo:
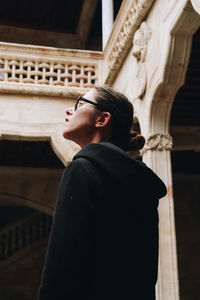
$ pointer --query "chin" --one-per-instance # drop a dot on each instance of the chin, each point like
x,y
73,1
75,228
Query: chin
x,y
68,135
65,134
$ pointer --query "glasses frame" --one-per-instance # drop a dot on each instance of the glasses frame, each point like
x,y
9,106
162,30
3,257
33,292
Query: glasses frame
x,y
85,100
116,114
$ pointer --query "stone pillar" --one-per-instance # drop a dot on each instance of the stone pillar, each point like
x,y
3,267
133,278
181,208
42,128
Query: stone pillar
x,y
107,20
156,155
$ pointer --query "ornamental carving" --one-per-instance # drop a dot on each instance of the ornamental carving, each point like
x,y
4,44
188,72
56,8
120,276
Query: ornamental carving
x,y
47,51
158,141
140,44
123,42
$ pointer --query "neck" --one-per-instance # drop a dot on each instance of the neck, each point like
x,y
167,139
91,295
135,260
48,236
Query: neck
x,y
97,138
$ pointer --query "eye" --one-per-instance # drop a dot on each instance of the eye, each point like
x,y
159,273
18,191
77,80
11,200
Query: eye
x,y
80,103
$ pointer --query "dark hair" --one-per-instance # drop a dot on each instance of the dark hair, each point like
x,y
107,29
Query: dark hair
x,y
121,111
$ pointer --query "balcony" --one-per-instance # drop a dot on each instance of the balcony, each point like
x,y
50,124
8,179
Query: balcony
x,y
26,69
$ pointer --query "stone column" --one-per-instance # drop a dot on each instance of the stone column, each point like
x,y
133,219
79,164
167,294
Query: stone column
x,y
107,20
156,155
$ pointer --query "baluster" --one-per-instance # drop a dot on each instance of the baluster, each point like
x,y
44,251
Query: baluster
x,y
51,74
36,73
30,231
21,72
90,73
23,235
37,227
48,224
3,246
2,71
67,75
10,243
44,225
73,70
16,239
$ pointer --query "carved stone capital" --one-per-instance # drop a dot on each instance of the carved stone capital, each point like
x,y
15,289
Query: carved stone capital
x,y
157,141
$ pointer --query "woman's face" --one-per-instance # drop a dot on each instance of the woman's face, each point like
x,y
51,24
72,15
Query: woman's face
x,y
80,123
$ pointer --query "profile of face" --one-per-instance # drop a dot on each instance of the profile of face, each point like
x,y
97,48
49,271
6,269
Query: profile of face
x,y
84,125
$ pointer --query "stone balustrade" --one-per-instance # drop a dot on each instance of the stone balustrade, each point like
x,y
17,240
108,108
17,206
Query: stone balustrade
x,y
23,235
45,70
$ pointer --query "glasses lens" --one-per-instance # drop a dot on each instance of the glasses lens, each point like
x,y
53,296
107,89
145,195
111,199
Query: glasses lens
x,y
76,105
81,100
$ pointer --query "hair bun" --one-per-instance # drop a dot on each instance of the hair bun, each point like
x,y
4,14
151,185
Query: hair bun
x,y
136,141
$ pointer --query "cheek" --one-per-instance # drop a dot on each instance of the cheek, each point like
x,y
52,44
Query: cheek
x,y
85,123
87,119
80,124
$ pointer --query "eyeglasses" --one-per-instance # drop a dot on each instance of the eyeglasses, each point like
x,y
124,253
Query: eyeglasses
x,y
85,100
116,114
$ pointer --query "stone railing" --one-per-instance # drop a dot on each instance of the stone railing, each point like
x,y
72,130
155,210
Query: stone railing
x,y
44,70
48,73
17,239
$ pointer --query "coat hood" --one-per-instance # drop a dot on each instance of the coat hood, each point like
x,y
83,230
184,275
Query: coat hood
x,y
119,166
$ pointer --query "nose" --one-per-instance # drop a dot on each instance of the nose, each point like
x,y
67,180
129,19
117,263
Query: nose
x,y
69,111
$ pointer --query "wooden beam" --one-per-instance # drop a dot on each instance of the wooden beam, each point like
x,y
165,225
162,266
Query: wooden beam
x,y
85,21
38,37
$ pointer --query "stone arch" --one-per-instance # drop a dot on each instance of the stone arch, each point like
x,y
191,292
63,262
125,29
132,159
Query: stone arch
x,y
15,200
31,187
185,157
64,149
179,25
30,181
173,63
36,118
196,5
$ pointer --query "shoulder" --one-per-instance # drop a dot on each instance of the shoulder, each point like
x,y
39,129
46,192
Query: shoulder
x,y
80,170
80,165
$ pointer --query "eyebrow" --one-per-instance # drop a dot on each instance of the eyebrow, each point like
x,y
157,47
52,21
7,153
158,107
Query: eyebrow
x,y
86,100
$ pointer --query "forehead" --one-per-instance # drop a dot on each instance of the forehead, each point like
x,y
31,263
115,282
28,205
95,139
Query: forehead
x,y
90,95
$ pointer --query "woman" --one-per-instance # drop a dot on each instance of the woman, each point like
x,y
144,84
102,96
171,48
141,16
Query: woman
x,y
104,239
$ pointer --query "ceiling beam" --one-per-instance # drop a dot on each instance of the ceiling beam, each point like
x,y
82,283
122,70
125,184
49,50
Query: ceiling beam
x,y
85,21
38,37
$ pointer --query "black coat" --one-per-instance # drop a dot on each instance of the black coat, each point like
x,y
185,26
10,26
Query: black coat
x,y
104,239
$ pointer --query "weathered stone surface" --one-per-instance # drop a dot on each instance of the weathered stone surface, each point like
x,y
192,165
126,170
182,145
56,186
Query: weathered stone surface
x,y
147,58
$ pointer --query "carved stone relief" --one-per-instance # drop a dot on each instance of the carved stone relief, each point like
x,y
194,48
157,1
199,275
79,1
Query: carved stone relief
x,y
140,44
123,39
157,141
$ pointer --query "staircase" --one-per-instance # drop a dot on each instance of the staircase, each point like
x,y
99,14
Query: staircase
x,y
24,236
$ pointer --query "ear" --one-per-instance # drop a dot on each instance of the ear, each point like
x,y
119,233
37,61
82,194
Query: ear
x,y
103,119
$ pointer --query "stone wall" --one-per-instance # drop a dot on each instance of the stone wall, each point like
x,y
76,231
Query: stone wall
x,y
21,280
